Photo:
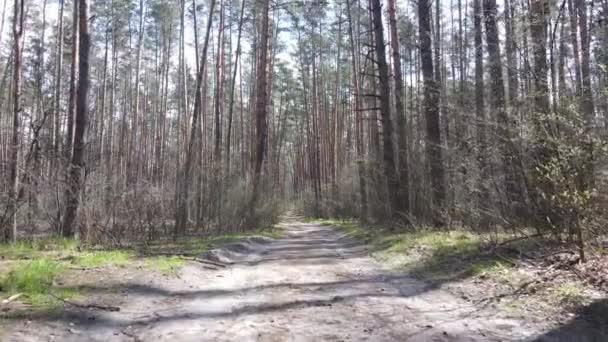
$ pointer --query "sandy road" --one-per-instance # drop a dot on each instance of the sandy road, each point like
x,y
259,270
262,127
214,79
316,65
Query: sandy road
x,y
314,284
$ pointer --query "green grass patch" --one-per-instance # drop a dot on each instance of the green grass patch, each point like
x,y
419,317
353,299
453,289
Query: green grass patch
x,y
354,229
103,258
47,301
42,305
433,255
16,250
165,265
33,278
38,248
569,293
491,267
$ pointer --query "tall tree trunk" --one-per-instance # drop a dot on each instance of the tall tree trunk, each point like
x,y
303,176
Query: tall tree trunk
x,y
431,110
233,85
587,109
504,126
182,203
336,125
131,169
58,87
575,47
76,168
402,138
561,65
390,172
219,80
586,93
182,106
260,108
357,109
484,195
10,229
103,96
4,2
69,137
195,29
34,174
544,146
511,49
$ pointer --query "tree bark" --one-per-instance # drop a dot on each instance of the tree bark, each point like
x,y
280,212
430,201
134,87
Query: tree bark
x,y
233,85
504,126
76,168
575,47
260,109
431,110
58,87
131,169
484,195
219,81
402,138
586,101
511,49
182,202
69,137
359,149
10,216
390,172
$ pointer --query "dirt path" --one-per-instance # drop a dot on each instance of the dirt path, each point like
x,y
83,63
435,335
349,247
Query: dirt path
x,y
313,285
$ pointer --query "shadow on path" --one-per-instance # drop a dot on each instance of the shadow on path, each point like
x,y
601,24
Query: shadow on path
x,y
589,325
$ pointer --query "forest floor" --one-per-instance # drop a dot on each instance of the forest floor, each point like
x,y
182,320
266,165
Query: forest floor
x,y
315,283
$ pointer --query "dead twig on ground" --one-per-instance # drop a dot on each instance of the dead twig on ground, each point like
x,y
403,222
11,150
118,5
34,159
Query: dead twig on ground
x,y
11,299
189,257
87,306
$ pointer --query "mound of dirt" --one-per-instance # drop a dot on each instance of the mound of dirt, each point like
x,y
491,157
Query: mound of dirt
x,y
238,251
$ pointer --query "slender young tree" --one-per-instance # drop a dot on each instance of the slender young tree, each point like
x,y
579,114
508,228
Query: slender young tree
x,y
233,85
484,196
573,10
58,85
219,82
69,137
10,216
132,168
511,50
586,101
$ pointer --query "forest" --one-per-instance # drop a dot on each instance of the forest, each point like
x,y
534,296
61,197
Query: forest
x,y
146,127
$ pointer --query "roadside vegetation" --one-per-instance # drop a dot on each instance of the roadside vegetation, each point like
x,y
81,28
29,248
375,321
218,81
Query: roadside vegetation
x,y
522,275
41,276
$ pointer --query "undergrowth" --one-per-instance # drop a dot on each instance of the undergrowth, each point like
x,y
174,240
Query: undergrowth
x,y
450,257
37,247
33,278
166,265
34,283
33,268
193,246
103,258
434,255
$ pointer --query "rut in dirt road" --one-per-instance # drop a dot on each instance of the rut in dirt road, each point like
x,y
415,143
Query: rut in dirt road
x,y
315,284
